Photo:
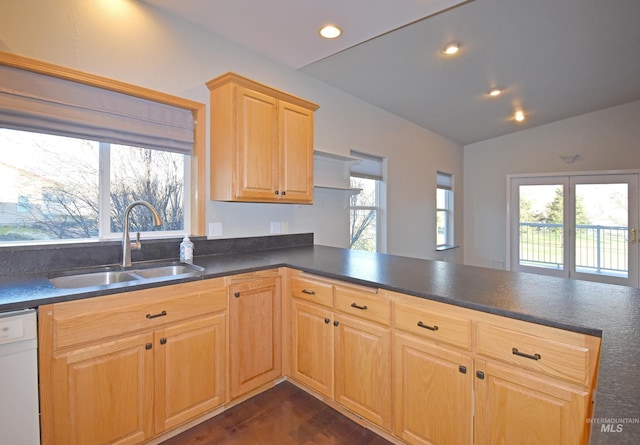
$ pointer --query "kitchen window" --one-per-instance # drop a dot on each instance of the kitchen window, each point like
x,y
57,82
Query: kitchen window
x,y
60,188
444,211
366,208
78,149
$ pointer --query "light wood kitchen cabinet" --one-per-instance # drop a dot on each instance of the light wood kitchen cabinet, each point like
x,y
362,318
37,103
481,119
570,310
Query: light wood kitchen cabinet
x,y
433,388
363,368
184,386
312,346
433,382
312,333
121,369
343,350
254,334
363,353
261,143
526,383
102,394
332,347
124,368
519,407
533,383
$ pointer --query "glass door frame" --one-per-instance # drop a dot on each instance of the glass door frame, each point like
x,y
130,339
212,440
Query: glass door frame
x,y
568,181
514,224
632,225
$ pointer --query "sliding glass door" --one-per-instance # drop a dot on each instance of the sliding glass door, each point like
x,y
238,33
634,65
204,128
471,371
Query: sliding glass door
x,y
578,226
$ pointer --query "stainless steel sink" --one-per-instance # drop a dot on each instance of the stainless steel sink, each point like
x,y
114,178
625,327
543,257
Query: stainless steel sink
x,y
92,279
105,276
168,270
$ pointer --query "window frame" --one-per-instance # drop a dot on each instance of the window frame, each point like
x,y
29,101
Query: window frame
x,y
444,182
104,216
375,207
195,222
568,182
373,168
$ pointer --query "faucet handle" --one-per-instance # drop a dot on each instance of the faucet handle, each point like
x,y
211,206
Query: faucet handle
x,y
136,245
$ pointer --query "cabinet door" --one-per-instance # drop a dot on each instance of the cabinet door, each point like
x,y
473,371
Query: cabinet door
x,y
312,346
254,335
190,370
296,152
433,389
104,393
363,369
257,153
514,407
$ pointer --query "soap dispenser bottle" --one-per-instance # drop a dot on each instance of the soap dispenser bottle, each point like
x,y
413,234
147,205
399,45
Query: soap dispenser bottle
x,y
186,250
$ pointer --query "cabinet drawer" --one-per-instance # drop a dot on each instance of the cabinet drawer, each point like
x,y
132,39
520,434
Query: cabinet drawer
x,y
434,325
313,291
545,355
372,307
97,318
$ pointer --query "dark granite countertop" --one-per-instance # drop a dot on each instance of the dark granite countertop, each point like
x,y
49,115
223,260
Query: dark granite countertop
x,y
612,312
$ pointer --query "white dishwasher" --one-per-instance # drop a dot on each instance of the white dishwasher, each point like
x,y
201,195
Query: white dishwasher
x,y
19,408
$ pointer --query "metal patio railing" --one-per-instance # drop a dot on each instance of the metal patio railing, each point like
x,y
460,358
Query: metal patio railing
x,y
599,249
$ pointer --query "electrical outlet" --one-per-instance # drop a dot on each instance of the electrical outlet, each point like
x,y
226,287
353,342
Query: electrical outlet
x,y
215,229
276,227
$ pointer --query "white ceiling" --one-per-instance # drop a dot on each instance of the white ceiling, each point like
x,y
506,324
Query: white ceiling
x,y
554,58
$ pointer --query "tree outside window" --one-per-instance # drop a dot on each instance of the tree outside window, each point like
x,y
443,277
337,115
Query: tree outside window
x,y
364,215
51,187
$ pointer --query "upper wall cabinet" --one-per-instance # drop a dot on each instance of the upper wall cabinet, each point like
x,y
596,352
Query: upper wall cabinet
x,y
261,143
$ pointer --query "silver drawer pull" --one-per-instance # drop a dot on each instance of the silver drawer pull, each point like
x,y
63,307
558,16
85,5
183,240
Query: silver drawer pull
x,y
426,326
515,351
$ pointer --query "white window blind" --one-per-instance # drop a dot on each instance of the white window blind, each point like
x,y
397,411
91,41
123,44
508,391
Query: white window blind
x,y
444,181
36,102
370,167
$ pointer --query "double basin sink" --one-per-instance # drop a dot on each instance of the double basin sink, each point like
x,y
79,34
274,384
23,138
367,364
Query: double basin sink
x,y
117,274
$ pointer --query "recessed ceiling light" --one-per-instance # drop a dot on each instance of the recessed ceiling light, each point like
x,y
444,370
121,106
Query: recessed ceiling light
x,y
519,116
330,31
451,48
495,92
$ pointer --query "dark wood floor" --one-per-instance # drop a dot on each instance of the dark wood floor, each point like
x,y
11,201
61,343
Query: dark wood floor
x,y
283,415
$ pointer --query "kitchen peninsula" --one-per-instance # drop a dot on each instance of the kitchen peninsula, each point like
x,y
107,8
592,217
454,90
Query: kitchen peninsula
x,y
596,310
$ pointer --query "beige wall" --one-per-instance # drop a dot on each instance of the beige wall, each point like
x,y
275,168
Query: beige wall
x,y
130,41
604,140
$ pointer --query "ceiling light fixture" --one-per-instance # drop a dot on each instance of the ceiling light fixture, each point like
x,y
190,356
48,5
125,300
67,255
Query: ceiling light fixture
x,y
495,92
330,31
451,48
519,116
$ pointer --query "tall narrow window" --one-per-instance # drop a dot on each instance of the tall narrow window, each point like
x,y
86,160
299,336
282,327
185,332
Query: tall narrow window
x,y
366,207
444,211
